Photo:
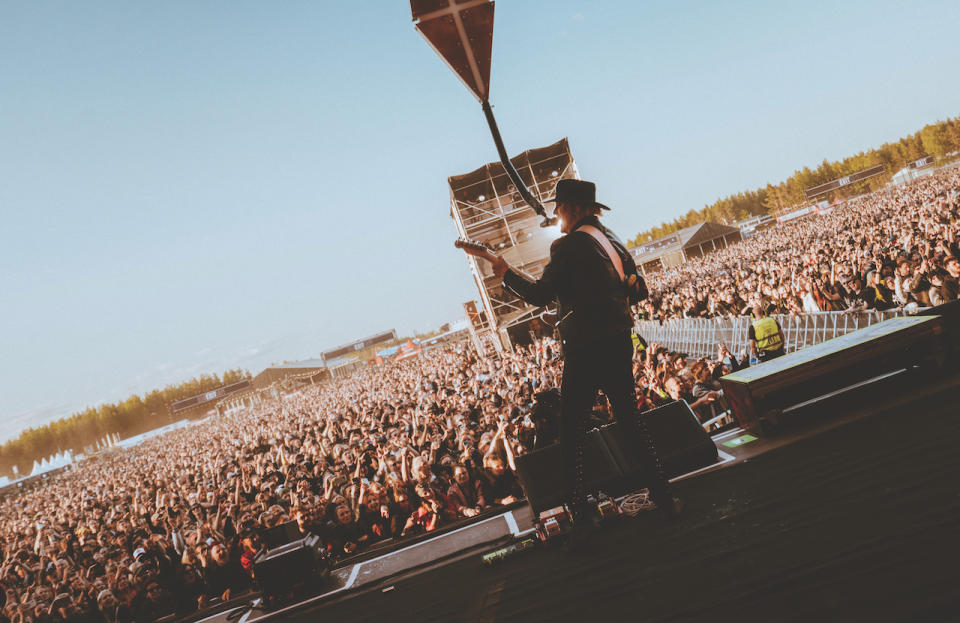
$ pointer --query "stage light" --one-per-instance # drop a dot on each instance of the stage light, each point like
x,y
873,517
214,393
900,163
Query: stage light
x,y
482,198
554,173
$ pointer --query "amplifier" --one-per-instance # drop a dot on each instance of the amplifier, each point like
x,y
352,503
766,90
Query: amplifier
x,y
609,460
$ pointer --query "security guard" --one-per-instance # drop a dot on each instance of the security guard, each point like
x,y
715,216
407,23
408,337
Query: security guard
x,y
765,335
590,275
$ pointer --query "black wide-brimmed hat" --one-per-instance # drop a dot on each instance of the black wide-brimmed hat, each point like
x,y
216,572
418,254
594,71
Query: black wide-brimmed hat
x,y
578,192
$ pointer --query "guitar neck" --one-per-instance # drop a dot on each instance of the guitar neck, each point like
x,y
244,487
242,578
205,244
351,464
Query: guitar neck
x,y
476,249
479,249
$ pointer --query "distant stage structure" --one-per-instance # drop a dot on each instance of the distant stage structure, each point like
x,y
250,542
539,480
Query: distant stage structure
x,y
201,404
486,206
688,243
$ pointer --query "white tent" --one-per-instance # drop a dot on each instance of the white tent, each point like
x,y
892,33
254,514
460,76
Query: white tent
x,y
54,462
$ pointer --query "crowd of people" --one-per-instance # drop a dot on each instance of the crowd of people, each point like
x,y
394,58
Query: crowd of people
x,y
897,247
170,526
406,448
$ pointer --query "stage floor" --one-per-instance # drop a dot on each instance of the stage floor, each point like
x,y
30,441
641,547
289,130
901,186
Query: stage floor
x,y
851,513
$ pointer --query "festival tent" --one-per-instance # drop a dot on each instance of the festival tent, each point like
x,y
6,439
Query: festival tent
x,y
61,459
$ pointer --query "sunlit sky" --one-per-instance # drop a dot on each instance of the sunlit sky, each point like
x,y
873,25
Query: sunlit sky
x,y
187,187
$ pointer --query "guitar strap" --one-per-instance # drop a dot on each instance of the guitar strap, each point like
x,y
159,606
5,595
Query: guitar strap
x,y
607,247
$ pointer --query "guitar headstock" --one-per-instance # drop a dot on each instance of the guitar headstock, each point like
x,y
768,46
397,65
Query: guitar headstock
x,y
475,248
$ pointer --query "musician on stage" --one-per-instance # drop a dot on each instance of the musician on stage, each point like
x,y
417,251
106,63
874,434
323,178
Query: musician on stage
x,y
587,275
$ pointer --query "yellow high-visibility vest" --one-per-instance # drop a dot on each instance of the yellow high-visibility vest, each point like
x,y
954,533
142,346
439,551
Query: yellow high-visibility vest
x,y
767,333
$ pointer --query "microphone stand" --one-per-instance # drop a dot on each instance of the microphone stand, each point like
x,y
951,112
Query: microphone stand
x,y
511,170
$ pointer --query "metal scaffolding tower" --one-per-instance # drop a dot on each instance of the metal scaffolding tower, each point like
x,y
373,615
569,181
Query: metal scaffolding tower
x,y
486,207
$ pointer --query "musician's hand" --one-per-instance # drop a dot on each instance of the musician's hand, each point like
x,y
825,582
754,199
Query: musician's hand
x,y
500,267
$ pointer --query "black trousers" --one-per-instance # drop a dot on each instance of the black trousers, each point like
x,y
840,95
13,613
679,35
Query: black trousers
x,y
767,355
605,364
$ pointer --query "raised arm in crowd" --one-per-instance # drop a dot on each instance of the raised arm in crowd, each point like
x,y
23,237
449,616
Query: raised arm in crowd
x,y
897,247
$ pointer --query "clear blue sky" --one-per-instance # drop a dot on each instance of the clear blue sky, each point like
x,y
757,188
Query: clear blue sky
x,y
191,186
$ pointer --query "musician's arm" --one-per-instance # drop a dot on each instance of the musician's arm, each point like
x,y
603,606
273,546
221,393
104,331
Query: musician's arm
x,y
540,292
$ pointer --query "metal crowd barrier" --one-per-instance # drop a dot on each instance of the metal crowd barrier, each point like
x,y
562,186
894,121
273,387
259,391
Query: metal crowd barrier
x,y
698,337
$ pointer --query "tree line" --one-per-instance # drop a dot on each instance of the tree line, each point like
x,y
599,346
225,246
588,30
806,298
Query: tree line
x,y
940,140
133,416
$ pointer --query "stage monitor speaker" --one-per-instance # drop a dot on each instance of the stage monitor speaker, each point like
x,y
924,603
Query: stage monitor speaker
x,y
280,535
681,442
541,474
292,571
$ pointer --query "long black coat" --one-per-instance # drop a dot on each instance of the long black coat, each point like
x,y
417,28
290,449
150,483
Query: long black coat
x,y
580,277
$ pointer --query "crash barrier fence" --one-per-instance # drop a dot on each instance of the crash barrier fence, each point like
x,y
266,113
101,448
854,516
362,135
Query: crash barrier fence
x,y
699,337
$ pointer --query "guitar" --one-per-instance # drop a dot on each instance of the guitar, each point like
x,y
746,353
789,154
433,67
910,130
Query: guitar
x,y
634,284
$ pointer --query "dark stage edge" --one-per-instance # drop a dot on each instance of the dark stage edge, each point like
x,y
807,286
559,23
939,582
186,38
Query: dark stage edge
x,y
851,513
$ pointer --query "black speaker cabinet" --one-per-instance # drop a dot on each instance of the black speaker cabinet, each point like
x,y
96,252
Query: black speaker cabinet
x,y
609,460
541,475
291,571
681,442
280,535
